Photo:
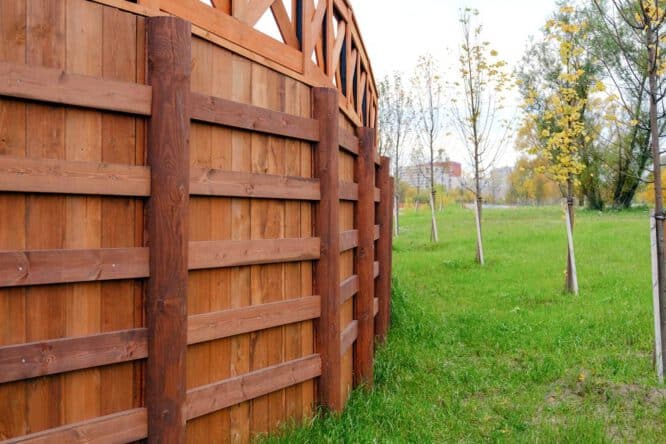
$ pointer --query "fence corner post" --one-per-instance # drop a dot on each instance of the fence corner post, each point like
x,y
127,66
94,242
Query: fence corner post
x,y
327,227
385,220
365,258
169,59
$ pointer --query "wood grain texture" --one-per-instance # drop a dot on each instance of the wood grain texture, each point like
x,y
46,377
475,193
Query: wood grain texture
x,y
365,257
348,141
348,240
216,396
214,182
58,86
384,219
254,118
327,228
72,177
62,355
348,337
169,49
125,426
348,191
348,288
233,253
222,324
35,267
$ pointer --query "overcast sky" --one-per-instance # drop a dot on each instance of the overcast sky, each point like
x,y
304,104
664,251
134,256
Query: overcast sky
x,y
396,32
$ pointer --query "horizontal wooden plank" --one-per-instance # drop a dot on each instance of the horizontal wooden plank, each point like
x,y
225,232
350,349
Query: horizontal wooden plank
x,y
213,182
348,191
223,394
57,86
235,253
377,232
73,177
378,195
348,288
376,306
348,141
35,267
348,240
223,324
376,268
125,426
348,336
253,118
23,361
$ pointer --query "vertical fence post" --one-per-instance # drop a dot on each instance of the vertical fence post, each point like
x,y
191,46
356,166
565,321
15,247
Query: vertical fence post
x,y
327,226
365,258
384,218
169,58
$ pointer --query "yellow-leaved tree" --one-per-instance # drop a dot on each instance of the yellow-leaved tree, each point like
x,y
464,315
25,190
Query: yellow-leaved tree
x,y
561,122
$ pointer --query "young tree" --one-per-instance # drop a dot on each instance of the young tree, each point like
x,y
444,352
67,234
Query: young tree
x,y
560,120
646,19
395,123
429,112
484,81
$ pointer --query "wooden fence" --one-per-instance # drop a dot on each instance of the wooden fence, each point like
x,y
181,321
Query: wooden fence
x,y
196,232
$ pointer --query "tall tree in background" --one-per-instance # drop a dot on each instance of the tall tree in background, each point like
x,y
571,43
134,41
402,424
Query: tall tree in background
x,y
428,90
622,51
646,20
395,123
476,114
541,78
560,120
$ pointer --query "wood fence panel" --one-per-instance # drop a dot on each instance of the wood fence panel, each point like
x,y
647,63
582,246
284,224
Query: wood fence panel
x,y
267,164
347,266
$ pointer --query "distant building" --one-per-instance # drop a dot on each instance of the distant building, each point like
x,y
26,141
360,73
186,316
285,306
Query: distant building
x,y
496,185
447,174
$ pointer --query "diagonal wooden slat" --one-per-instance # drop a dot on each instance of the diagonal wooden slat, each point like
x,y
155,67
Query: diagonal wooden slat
x,y
284,24
337,46
255,9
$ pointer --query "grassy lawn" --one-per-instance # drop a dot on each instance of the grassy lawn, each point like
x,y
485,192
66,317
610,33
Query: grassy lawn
x,y
500,353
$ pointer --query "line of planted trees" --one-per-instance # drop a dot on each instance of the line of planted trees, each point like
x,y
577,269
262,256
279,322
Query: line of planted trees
x,y
417,112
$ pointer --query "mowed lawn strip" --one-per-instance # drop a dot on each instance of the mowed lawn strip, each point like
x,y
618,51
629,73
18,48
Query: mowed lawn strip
x,y
500,353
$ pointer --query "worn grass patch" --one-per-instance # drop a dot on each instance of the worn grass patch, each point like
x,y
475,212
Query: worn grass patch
x,y
500,353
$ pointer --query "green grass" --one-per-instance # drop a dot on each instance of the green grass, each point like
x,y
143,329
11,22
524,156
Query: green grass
x,y
499,353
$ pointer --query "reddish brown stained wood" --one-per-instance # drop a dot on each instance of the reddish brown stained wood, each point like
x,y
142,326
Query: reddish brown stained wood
x,y
219,395
125,426
348,141
62,355
72,177
35,267
384,219
327,272
242,116
376,268
365,257
348,240
239,33
214,182
348,337
348,288
57,86
222,324
348,191
377,232
169,61
376,306
235,253
377,195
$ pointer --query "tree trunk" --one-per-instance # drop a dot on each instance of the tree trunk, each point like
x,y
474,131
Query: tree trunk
x,y
396,216
570,209
479,237
658,193
434,237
